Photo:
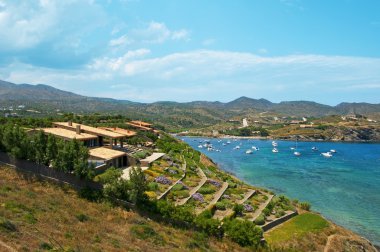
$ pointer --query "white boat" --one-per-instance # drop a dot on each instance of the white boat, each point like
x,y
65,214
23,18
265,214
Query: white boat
x,y
314,148
274,150
274,144
255,148
249,152
296,153
326,154
224,144
209,148
200,146
292,148
333,151
237,147
228,142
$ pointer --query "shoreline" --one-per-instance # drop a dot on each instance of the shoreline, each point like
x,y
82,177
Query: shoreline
x,y
276,139
376,245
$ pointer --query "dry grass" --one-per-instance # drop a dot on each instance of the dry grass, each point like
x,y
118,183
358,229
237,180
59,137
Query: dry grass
x,y
46,215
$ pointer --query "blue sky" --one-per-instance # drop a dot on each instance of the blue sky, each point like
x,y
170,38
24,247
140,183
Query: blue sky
x,y
326,51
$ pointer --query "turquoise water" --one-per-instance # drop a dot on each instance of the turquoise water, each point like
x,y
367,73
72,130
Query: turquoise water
x,y
344,188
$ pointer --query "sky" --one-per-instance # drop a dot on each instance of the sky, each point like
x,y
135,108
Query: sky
x,y
154,50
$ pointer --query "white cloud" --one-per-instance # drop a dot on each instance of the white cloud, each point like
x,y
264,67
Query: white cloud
x,y
156,33
208,42
207,74
123,40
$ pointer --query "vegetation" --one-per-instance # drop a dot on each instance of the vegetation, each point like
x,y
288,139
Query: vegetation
x,y
66,222
297,227
66,156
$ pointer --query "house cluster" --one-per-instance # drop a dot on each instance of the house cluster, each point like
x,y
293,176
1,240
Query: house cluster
x,y
107,145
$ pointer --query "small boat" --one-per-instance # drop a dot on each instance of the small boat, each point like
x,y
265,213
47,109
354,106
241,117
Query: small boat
x,y
249,152
255,148
228,142
314,148
292,148
274,150
237,147
326,154
274,144
224,144
200,146
297,153
333,151
209,148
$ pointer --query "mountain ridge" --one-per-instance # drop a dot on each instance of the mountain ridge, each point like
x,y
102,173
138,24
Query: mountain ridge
x,y
182,114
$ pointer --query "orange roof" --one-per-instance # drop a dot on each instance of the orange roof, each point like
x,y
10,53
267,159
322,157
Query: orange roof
x,y
89,129
68,134
127,133
141,123
139,126
105,153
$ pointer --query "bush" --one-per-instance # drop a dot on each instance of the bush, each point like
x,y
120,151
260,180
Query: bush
x,y
245,233
7,225
82,217
152,186
177,187
305,206
238,209
220,206
260,220
206,190
266,212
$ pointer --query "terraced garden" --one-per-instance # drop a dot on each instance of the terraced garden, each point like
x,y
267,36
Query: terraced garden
x,y
161,175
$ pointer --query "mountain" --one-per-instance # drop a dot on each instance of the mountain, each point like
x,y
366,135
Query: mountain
x,y
47,100
10,91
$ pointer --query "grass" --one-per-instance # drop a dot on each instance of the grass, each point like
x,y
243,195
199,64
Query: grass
x,y
59,217
297,227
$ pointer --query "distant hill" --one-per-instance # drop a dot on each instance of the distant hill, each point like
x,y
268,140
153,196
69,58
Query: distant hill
x,y
177,115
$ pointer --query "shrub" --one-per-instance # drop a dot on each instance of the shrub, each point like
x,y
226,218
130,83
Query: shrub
x,y
266,212
220,206
238,209
206,190
245,233
82,217
305,206
152,186
177,187
260,220
7,225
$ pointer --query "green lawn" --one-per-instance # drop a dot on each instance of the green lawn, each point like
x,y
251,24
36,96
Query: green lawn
x,y
296,227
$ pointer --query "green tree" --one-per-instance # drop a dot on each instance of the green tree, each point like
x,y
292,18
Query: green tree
x,y
138,185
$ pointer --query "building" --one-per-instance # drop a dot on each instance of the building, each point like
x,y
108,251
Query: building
x,y
103,136
87,139
142,126
104,157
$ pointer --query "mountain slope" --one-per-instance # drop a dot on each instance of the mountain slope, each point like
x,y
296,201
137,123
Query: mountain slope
x,y
195,114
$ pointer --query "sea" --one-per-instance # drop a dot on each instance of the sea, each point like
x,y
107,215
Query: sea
x,y
344,188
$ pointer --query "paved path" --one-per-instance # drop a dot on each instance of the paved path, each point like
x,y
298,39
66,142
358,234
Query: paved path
x,y
246,196
261,208
152,157
126,171
217,196
195,189
168,190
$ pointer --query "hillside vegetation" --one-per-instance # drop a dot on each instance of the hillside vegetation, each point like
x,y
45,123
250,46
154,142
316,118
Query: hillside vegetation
x,y
37,215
